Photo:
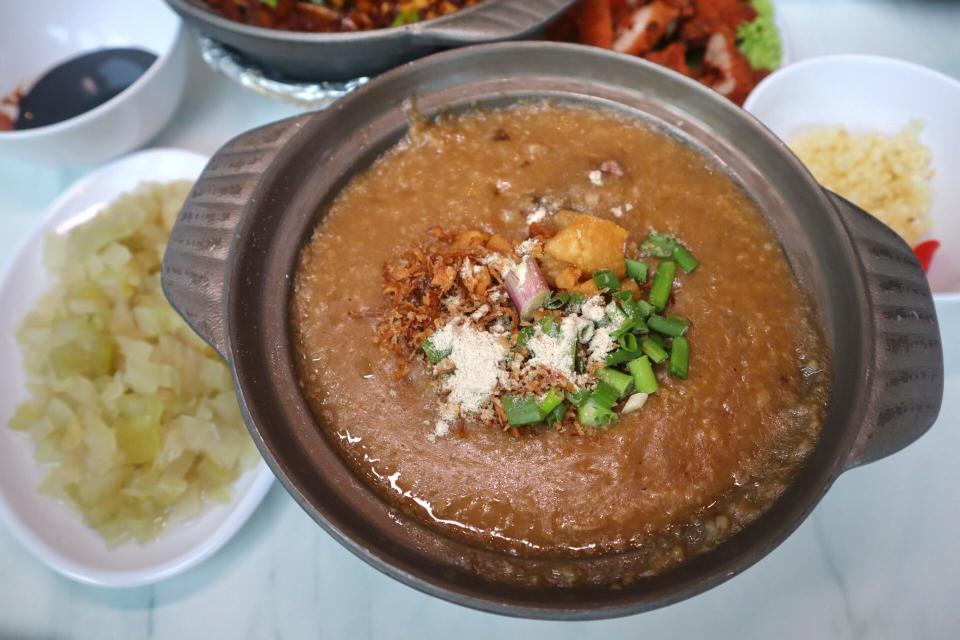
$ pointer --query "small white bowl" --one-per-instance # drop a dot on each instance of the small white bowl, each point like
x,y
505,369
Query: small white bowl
x,y
872,93
46,33
50,530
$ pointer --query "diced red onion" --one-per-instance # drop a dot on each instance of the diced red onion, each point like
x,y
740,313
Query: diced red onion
x,y
527,287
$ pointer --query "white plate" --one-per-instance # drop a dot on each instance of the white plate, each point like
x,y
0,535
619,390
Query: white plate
x,y
52,531
872,93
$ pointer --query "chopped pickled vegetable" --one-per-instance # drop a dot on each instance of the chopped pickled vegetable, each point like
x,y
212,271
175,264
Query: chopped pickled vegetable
x,y
135,415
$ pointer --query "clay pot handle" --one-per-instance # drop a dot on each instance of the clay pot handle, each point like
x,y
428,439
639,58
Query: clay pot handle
x,y
904,377
199,249
490,20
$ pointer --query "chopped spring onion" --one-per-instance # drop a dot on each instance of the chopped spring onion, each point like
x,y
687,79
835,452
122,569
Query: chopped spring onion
x,y
623,296
628,341
593,414
557,301
551,401
615,315
662,284
548,324
659,245
620,356
637,270
605,395
434,355
625,327
616,379
671,325
577,397
685,259
679,357
521,411
557,414
606,280
524,335
585,334
576,300
635,403
659,339
644,379
273,3
656,353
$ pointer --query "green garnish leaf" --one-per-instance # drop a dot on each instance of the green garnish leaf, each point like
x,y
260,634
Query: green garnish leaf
x,y
606,280
637,270
270,3
521,411
759,40
433,354
404,17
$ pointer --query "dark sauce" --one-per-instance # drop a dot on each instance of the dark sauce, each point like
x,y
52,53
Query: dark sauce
x,y
75,87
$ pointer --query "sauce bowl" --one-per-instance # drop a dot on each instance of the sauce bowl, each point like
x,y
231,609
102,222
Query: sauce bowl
x,y
229,264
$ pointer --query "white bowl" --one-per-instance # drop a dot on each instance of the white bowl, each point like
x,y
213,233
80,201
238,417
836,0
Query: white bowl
x,y
46,33
52,531
872,93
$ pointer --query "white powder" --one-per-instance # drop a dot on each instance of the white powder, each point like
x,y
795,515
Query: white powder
x,y
593,309
476,356
466,269
503,185
628,207
617,212
526,247
500,263
556,352
537,215
480,312
601,344
596,177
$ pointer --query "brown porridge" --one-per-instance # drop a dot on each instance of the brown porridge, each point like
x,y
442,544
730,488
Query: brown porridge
x,y
411,255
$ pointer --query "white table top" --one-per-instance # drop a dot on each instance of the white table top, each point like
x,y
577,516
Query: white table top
x,y
879,558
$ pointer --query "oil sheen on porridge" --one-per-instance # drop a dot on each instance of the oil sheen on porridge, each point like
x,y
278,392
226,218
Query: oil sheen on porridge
x,y
704,456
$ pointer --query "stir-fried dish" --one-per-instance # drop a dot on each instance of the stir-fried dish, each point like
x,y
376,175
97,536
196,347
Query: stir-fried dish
x,y
728,45
335,15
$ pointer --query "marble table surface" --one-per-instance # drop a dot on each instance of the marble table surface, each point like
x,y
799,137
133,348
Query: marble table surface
x,y
879,558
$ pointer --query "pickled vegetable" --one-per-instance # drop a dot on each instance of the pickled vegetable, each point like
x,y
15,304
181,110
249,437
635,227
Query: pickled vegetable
x,y
133,415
